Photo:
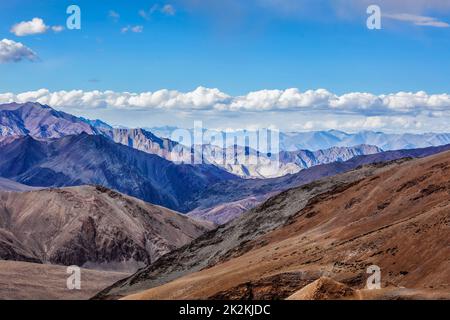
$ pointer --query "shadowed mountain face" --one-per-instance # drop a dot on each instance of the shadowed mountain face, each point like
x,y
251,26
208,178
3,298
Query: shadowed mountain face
x,y
395,216
93,227
94,159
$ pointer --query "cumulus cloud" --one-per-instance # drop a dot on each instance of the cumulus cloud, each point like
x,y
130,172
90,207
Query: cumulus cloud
x,y
11,51
207,99
34,26
25,28
418,20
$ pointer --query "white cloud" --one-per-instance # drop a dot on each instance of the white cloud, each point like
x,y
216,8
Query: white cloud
x,y
168,9
34,26
11,51
57,28
206,99
25,28
135,29
418,20
114,15
144,14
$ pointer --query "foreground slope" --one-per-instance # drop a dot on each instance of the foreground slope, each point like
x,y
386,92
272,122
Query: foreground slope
x,y
89,226
24,281
395,216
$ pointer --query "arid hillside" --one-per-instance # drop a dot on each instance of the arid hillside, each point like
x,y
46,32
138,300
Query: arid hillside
x,y
91,227
395,216
31,281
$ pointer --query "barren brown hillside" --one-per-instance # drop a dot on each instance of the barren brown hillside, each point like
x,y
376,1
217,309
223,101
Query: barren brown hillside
x,y
90,226
398,219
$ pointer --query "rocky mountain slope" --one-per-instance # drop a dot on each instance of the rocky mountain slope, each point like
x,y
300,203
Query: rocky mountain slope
x,y
95,159
222,243
39,121
241,161
305,159
89,226
391,215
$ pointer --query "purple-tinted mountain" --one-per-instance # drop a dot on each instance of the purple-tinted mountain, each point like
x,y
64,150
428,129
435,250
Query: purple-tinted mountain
x,y
40,122
94,159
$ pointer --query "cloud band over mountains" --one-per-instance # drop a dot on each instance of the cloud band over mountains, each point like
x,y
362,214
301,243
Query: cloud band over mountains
x,y
207,99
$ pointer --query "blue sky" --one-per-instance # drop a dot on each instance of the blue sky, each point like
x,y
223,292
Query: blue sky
x,y
234,46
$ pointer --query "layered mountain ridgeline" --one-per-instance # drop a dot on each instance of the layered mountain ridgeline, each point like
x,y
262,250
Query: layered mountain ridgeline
x,y
305,159
249,163
224,201
90,226
43,122
394,215
319,140
95,159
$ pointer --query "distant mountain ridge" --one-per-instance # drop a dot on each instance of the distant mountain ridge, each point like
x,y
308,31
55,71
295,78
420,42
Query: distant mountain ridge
x,y
42,122
299,151
319,140
386,141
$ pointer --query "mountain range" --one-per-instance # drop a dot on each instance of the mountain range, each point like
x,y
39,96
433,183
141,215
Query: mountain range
x,y
75,191
318,140
42,122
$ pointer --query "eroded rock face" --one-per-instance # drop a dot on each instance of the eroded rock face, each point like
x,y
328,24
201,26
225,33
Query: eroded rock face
x,y
90,226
